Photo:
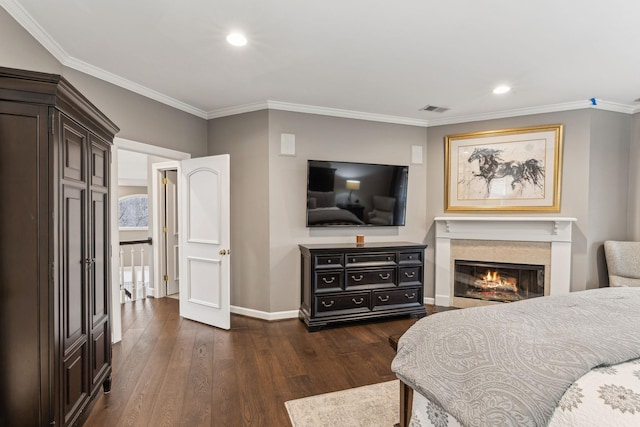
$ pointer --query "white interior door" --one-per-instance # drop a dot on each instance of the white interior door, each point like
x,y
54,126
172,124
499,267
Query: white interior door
x,y
204,268
171,232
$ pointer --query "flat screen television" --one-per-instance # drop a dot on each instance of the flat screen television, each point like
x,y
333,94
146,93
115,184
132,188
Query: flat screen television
x,y
355,194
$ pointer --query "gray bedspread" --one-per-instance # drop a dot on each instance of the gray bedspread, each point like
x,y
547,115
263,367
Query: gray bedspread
x,y
509,364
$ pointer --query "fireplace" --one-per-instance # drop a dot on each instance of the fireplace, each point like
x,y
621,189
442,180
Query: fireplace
x,y
502,282
539,241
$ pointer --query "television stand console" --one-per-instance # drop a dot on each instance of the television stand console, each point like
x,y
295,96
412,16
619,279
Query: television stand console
x,y
348,282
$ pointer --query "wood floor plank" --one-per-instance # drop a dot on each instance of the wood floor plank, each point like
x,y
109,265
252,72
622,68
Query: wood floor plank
x,y
169,371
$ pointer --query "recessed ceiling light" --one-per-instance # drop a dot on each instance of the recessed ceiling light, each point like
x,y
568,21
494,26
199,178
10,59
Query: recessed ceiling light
x,y
237,39
501,89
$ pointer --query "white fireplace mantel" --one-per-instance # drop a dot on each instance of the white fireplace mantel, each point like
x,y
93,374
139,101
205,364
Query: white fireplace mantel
x,y
555,230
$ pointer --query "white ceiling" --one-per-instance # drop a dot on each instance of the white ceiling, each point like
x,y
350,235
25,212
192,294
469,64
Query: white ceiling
x,y
376,59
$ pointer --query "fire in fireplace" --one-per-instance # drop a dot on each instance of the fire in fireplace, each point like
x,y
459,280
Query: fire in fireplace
x,y
497,281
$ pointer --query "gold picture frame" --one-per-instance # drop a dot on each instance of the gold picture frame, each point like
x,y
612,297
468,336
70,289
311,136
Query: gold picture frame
x,y
504,170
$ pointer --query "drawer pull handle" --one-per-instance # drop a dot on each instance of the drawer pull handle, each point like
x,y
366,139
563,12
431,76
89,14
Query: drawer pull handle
x,y
329,281
383,299
329,261
413,295
388,258
327,305
357,302
385,276
353,260
357,279
410,256
410,275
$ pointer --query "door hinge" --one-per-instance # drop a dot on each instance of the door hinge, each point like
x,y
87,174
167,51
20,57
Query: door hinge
x,y
165,229
166,278
164,181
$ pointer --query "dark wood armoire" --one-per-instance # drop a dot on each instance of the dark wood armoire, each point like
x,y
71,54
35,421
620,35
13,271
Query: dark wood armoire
x,y
55,345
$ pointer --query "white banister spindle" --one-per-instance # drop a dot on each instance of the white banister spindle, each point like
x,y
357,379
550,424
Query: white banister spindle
x,y
134,276
123,296
143,289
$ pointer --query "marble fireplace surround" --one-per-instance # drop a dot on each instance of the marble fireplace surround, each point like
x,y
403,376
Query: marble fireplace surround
x,y
547,241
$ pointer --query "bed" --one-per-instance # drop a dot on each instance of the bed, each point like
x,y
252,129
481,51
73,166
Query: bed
x,y
550,361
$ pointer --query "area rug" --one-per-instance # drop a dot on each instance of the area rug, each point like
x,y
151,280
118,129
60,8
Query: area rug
x,y
368,406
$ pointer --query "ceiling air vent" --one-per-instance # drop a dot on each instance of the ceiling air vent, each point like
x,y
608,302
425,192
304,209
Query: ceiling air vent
x,y
434,108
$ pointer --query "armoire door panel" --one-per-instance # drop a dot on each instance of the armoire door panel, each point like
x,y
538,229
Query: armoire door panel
x,y
74,142
24,290
74,260
101,357
99,161
98,273
75,384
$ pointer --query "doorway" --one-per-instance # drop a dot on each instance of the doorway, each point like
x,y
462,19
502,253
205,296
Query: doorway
x,y
152,154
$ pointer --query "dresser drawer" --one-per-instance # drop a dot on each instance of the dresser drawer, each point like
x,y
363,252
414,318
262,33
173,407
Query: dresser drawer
x,y
411,257
329,281
328,261
410,276
384,299
370,278
355,302
383,258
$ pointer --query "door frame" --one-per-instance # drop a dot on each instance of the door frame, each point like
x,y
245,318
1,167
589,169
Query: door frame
x,y
157,170
139,147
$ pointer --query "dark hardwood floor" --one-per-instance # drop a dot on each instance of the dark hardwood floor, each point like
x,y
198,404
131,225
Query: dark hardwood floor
x,y
169,371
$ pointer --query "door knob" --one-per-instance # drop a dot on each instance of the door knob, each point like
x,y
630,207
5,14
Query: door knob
x,y
223,252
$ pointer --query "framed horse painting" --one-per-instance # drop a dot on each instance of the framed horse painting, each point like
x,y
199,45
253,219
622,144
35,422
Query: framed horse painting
x,y
504,170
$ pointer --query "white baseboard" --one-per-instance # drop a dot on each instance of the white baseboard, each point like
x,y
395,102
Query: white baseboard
x,y
278,315
281,315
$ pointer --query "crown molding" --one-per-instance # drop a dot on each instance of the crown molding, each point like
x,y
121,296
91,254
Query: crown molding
x,y
240,109
347,114
310,109
107,76
28,23
32,27
23,18
553,108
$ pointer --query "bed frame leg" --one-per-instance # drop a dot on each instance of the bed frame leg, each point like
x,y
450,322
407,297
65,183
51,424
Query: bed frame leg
x,y
406,399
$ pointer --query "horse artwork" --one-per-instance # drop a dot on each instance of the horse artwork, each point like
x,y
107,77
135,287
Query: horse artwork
x,y
517,178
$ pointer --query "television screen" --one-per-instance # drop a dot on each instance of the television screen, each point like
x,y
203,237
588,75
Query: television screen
x,y
355,194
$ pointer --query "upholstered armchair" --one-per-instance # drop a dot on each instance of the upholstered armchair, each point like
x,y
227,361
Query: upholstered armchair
x,y
623,262
382,213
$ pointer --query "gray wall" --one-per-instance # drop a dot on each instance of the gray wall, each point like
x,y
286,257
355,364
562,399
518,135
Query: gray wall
x,y
245,138
608,188
634,181
594,170
330,138
268,194
20,50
